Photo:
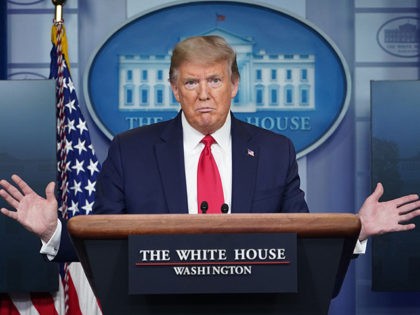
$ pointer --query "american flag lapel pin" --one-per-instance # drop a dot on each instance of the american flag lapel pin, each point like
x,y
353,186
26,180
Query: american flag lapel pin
x,y
250,153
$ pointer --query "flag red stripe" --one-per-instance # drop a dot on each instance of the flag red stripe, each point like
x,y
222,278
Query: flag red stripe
x,y
73,302
44,303
6,305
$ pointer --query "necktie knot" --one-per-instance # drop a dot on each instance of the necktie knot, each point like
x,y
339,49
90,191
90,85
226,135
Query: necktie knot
x,y
208,140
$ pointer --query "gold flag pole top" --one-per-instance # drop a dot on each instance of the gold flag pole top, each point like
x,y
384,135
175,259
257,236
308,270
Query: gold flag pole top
x,y
58,10
58,36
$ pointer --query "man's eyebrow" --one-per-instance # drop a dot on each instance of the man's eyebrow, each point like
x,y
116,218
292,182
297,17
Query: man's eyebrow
x,y
189,78
212,76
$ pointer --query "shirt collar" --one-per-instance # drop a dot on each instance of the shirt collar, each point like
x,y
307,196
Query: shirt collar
x,y
192,137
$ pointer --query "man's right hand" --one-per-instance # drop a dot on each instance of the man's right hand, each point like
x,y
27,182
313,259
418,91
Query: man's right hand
x,y
35,213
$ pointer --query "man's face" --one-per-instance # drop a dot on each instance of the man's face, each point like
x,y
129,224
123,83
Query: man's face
x,y
205,93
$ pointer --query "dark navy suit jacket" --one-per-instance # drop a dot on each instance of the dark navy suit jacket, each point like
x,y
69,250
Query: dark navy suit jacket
x,y
144,173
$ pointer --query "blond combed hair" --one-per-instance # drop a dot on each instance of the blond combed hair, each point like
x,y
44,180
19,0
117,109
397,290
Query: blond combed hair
x,y
206,50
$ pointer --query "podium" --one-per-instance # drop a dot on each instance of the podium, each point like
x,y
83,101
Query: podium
x,y
325,244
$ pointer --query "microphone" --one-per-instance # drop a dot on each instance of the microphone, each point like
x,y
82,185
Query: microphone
x,y
204,206
225,208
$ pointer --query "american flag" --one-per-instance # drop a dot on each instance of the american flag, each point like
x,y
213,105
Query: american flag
x,y
78,167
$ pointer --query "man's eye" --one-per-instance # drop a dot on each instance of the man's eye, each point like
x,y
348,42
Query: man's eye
x,y
215,82
191,84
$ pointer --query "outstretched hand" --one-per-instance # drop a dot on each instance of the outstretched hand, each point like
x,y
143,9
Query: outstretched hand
x,y
38,215
388,216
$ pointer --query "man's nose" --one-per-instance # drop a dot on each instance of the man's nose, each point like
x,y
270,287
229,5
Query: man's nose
x,y
203,91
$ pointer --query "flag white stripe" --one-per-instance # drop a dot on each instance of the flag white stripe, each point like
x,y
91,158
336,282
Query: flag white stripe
x,y
23,303
87,300
59,298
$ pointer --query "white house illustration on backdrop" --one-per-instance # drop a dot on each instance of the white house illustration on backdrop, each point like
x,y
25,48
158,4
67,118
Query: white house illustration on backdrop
x,y
268,81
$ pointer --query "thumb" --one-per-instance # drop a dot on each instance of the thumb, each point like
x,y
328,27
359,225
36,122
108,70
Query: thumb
x,y
378,192
49,191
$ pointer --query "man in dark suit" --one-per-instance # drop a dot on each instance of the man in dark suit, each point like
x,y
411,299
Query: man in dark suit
x,y
149,162
153,169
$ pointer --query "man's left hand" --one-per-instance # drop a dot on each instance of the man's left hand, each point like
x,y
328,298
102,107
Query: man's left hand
x,y
388,216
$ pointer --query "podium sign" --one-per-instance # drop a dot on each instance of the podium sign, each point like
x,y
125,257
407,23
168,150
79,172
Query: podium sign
x,y
212,263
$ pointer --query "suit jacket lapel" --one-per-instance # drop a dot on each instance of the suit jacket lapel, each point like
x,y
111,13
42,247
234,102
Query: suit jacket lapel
x,y
170,159
244,167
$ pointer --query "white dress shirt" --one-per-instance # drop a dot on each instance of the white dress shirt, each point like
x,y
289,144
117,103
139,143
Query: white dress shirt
x,y
222,153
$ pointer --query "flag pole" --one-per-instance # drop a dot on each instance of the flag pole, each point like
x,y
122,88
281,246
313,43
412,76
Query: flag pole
x,y
57,35
58,10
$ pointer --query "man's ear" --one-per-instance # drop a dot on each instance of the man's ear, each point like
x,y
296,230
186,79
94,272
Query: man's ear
x,y
235,87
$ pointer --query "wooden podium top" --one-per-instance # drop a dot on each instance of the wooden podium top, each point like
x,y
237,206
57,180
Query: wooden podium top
x,y
304,224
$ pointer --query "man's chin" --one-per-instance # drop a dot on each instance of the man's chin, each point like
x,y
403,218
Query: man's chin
x,y
205,126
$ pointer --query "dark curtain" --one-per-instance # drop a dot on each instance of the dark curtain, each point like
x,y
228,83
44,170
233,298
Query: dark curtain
x,y
3,40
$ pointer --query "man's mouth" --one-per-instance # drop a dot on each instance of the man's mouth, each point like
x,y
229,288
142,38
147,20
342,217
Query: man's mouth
x,y
205,109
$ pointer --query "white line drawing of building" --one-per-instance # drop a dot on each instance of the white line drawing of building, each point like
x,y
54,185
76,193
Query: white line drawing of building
x,y
273,82
405,33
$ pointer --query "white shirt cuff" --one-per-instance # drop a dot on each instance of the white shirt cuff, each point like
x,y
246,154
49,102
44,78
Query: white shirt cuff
x,y
51,247
360,247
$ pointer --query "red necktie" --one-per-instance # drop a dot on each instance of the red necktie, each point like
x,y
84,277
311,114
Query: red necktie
x,y
209,186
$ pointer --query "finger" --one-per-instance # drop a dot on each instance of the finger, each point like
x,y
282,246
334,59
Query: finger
x,y
408,201
9,199
406,227
22,184
11,190
408,216
10,214
3,182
